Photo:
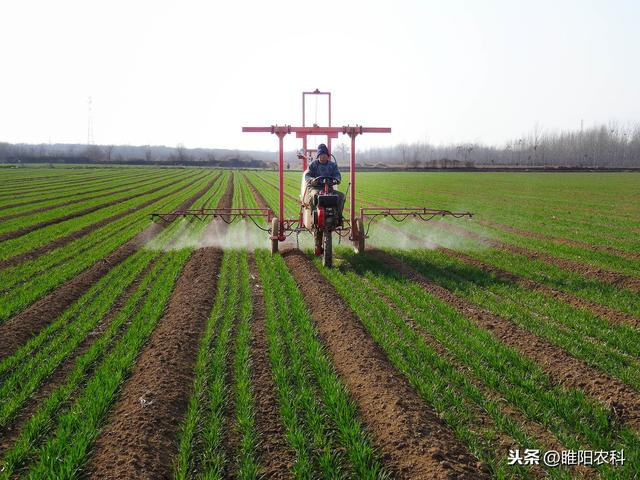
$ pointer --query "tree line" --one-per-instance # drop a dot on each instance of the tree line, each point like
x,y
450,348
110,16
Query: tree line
x,y
605,146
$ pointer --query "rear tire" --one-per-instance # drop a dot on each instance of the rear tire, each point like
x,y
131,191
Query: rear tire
x,y
358,242
327,254
275,232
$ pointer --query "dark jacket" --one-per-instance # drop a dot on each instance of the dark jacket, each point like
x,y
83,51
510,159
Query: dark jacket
x,y
317,169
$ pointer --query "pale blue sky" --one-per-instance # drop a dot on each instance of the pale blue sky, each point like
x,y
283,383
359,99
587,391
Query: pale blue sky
x,y
194,72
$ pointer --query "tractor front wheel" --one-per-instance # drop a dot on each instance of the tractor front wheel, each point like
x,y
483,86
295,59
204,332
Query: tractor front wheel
x,y
275,233
327,254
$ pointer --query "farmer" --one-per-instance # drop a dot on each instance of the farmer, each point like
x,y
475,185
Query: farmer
x,y
322,167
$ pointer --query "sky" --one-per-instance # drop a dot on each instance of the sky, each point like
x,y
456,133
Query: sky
x,y
194,72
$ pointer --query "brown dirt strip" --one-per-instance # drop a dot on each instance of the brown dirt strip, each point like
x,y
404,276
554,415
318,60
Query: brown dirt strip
x,y
562,368
562,241
286,194
11,432
276,458
61,241
19,328
86,211
140,438
589,271
262,203
602,311
137,184
413,440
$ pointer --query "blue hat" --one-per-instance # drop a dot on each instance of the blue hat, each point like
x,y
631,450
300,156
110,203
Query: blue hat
x,y
322,148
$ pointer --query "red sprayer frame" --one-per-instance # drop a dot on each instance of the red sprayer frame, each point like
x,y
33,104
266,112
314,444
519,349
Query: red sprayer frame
x,y
357,231
281,130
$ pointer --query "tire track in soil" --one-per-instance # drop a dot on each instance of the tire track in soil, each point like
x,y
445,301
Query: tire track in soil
x,y
609,314
275,457
140,436
607,276
562,368
23,231
137,184
9,434
562,241
413,440
19,328
62,241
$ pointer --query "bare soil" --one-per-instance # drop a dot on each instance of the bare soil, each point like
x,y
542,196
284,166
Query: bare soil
x,y
413,440
562,368
140,437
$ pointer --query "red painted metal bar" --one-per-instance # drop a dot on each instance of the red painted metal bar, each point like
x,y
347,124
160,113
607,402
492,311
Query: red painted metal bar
x,y
352,176
281,135
317,130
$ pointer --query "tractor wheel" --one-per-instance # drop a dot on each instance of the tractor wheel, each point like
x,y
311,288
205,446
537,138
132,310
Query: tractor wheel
x,y
358,242
275,232
327,254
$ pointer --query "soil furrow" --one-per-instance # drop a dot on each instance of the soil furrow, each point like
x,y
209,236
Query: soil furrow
x,y
262,203
276,458
19,328
413,440
140,437
563,241
62,241
562,368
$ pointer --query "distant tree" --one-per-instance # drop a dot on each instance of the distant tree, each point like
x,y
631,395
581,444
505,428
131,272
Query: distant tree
x,y
108,150
5,148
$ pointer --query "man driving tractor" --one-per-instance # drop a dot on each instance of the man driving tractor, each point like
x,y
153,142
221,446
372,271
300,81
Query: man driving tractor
x,y
318,170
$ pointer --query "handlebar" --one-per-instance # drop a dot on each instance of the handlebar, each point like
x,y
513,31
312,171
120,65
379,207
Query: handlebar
x,y
318,181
